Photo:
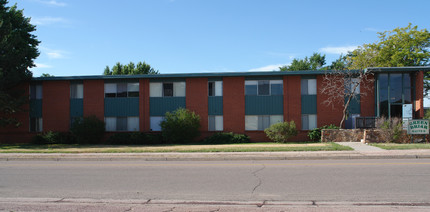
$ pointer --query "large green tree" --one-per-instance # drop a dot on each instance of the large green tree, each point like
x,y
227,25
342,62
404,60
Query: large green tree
x,y
315,62
18,49
130,69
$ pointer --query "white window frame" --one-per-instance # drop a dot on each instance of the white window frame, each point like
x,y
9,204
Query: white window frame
x,y
217,88
111,123
252,121
218,123
271,82
79,90
311,124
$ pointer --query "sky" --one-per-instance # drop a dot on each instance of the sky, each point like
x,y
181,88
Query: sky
x,y
82,37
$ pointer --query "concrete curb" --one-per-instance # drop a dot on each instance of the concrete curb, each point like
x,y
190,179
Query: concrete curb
x,y
318,155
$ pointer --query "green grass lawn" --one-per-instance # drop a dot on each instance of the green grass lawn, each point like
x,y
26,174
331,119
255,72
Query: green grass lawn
x,y
392,146
247,147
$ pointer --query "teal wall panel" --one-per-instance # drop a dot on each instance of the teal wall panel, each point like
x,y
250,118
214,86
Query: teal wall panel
x,y
36,108
264,105
76,107
354,106
158,106
121,106
309,104
215,106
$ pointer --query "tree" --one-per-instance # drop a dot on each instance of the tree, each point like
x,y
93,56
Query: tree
x,y
18,49
343,86
46,75
315,62
130,69
400,47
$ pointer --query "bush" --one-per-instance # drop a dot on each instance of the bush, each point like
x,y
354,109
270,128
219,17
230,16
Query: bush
x,y
281,132
226,138
88,130
54,138
180,126
391,129
135,138
315,134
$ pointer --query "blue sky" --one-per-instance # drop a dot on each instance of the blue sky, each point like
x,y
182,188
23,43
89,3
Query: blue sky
x,y
81,37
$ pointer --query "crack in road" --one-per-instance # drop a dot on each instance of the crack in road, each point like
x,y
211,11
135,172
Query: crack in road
x,y
259,179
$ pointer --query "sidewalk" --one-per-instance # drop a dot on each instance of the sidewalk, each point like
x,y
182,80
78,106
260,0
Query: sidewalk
x,y
361,151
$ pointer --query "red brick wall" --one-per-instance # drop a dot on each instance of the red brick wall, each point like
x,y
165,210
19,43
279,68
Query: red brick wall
x,y
327,114
144,105
367,102
197,99
94,98
56,105
234,104
419,101
20,134
293,100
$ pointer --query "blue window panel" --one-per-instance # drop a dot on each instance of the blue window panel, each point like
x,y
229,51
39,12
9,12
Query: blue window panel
x,y
158,106
76,107
122,106
264,105
309,104
215,106
276,89
354,106
36,108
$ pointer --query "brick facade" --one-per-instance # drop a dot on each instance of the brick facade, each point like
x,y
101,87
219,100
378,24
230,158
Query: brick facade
x,y
56,106
234,104
327,114
94,98
197,99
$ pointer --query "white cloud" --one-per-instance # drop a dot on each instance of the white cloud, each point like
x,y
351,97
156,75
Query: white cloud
x,y
52,3
41,65
47,20
338,49
274,67
53,53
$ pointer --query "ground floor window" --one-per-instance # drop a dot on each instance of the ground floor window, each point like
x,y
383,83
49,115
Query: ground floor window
x,y
261,122
130,123
36,124
350,123
309,121
154,122
215,123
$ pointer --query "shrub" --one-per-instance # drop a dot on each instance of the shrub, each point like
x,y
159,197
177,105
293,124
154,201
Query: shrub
x,y
315,134
226,138
88,130
281,132
391,129
180,126
135,138
54,138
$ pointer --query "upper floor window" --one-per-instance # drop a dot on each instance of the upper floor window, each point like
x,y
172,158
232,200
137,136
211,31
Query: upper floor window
x,y
263,87
308,86
76,91
166,89
122,89
350,84
215,88
36,91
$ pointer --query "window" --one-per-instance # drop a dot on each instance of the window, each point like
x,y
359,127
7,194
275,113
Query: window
x,y
155,122
215,123
308,86
122,123
350,84
309,121
263,87
76,91
36,91
36,124
215,88
122,89
261,122
167,89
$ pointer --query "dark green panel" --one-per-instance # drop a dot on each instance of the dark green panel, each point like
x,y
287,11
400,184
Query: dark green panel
x,y
122,106
354,106
309,104
215,105
264,105
36,108
212,79
158,106
264,78
308,77
76,107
